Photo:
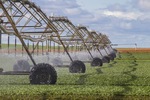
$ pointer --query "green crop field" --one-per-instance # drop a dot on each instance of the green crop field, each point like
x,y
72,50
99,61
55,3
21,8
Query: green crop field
x,y
127,77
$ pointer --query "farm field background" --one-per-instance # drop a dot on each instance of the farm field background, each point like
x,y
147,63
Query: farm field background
x,y
127,77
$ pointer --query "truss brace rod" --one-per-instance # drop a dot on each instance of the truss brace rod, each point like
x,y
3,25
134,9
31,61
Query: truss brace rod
x,y
17,33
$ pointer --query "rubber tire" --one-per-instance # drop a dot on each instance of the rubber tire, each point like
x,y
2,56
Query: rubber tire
x,y
106,58
111,57
77,67
16,68
96,62
42,69
1,70
114,55
57,62
23,65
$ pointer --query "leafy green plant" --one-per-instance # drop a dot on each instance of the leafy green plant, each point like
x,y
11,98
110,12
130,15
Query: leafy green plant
x,y
127,78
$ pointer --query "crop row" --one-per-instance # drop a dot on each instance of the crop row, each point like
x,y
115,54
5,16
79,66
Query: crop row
x,y
129,78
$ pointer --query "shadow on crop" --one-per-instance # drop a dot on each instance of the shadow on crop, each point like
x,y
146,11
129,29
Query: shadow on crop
x,y
124,84
112,64
82,79
44,96
119,55
99,71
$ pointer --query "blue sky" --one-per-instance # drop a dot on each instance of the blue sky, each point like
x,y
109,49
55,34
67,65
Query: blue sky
x,y
96,4
123,21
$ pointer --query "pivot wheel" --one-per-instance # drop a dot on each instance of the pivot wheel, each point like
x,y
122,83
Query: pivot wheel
x,y
57,62
96,62
111,57
114,55
1,69
106,59
43,74
77,67
21,65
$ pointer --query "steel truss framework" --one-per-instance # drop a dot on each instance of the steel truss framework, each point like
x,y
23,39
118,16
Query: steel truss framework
x,y
27,21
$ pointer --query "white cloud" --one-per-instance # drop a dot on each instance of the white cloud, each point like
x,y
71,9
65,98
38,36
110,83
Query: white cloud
x,y
122,23
122,15
141,5
145,16
73,11
144,4
126,25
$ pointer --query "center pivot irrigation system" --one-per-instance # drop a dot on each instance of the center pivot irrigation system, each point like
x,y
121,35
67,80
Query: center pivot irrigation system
x,y
76,44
